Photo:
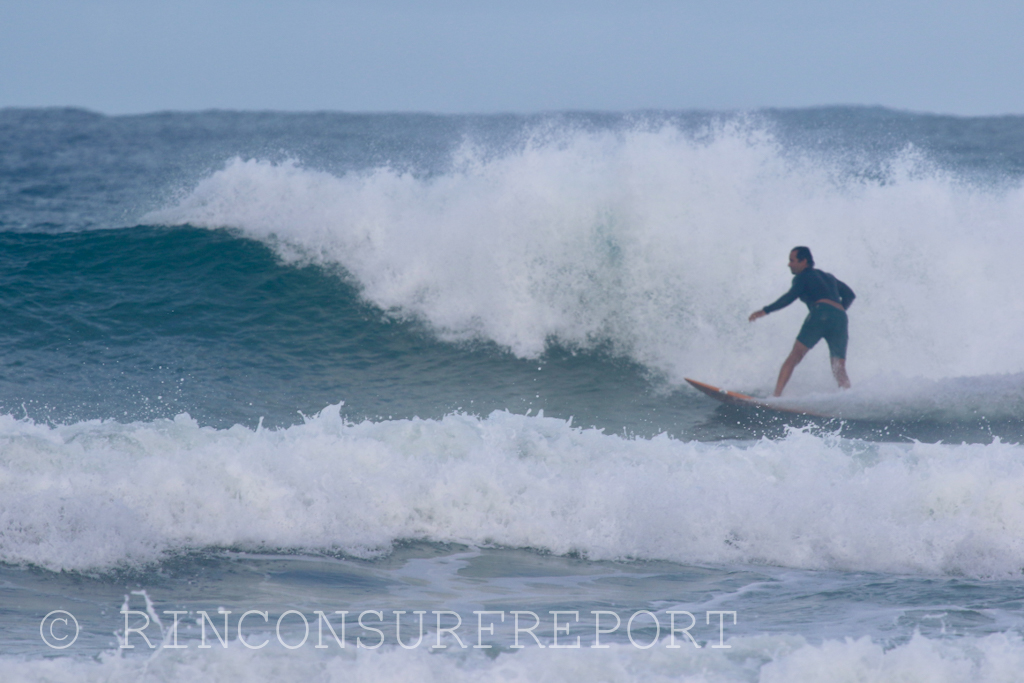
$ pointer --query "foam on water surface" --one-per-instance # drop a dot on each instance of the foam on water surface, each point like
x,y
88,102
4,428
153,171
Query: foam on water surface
x,y
992,659
616,236
659,243
96,495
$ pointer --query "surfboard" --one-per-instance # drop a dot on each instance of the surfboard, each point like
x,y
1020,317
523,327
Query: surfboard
x,y
735,398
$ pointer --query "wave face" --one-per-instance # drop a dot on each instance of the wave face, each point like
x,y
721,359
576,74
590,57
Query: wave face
x,y
656,242
98,495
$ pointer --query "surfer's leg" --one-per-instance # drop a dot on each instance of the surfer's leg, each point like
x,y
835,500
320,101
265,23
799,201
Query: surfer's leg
x,y
794,358
838,337
839,371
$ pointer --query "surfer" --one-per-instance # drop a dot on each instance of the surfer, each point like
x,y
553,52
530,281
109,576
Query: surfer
x,y
827,298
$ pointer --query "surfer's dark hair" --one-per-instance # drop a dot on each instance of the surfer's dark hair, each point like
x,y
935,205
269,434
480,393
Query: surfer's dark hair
x,y
804,254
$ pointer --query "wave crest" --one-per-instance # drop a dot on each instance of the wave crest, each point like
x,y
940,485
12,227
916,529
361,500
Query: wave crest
x,y
657,243
102,494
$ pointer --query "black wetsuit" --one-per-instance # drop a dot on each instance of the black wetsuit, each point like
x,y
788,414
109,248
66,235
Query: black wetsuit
x,y
824,321
812,285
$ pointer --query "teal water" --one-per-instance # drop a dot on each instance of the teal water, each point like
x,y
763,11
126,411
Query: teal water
x,y
274,362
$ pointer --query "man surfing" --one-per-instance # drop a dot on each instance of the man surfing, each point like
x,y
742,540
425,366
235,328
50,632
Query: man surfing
x,y
827,298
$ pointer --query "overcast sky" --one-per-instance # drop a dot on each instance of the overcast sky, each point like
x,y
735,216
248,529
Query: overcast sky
x,y
115,56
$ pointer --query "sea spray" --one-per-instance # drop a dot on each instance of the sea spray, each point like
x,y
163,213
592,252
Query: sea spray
x,y
657,243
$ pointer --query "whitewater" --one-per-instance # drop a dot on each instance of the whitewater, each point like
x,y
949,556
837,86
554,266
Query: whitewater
x,y
130,493
271,364
654,243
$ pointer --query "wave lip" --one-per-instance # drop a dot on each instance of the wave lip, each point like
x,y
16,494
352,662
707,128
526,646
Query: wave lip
x,y
96,495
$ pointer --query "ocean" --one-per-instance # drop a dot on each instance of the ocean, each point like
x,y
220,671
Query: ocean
x,y
327,396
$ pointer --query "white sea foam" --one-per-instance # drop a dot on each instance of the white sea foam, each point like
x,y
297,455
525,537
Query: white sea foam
x,y
660,244
896,397
94,495
997,658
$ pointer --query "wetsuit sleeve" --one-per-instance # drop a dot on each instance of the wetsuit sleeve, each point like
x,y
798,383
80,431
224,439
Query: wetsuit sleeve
x,y
846,294
787,298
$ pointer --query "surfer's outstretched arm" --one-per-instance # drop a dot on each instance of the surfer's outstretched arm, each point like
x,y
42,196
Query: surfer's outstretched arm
x,y
794,358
